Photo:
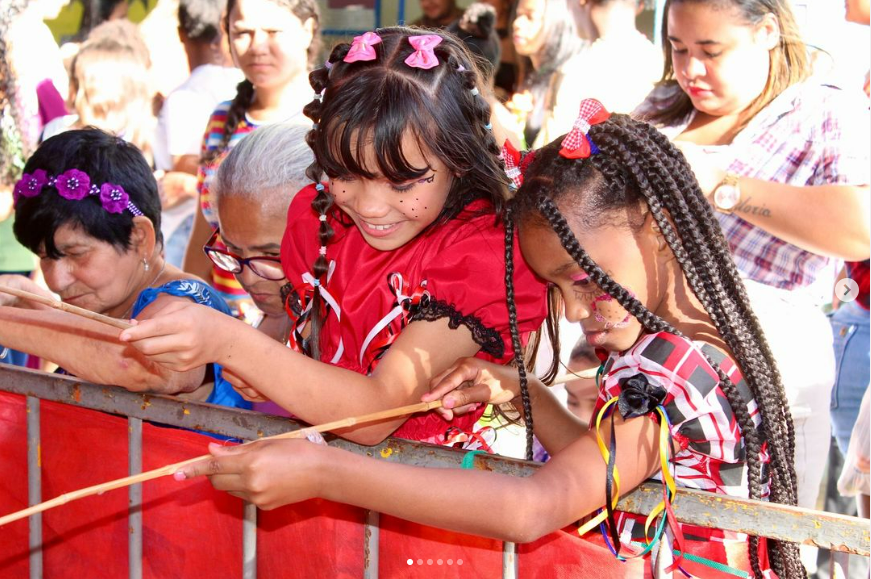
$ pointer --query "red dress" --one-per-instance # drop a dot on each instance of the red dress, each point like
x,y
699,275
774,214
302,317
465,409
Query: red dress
x,y
454,270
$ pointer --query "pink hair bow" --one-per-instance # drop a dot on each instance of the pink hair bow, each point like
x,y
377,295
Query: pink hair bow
x,y
361,48
423,55
577,144
515,163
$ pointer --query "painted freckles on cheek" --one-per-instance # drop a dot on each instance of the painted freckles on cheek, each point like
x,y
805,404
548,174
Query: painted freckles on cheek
x,y
607,311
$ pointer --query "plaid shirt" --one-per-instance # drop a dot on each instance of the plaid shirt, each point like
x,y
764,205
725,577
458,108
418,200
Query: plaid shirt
x,y
710,451
812,134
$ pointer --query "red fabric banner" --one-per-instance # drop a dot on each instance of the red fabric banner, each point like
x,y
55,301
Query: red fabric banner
x,y
191,530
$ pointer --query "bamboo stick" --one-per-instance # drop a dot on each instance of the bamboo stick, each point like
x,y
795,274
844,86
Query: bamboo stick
x,y
173,468
26,295
575,375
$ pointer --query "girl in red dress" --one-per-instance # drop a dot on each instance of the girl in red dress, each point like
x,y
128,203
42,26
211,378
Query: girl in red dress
x,y
612,217
396,263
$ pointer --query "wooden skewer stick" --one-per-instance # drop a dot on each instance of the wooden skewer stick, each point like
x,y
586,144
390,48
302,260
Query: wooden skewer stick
x,y
173,468
26,295
575,375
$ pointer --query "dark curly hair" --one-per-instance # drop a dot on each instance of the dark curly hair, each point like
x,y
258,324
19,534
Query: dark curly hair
x,y
639,166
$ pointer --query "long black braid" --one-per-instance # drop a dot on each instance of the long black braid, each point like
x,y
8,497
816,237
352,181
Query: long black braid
x,y
379,102
515,333
637,163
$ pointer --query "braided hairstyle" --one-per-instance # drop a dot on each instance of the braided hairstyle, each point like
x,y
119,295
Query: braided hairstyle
x,y
302,9
14,145
378,102
638,165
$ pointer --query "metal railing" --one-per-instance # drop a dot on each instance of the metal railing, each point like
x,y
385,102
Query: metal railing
x,y
826,530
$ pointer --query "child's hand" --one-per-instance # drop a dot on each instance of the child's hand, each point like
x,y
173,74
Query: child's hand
x,y
243,388
471,382
269,474
180,335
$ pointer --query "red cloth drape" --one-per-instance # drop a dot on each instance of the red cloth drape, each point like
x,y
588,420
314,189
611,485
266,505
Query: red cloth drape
x,y
191,530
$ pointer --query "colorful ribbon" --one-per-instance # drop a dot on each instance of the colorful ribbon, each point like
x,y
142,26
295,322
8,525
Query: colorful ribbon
x,y
403,307
515,163
511,158
299,321
605,520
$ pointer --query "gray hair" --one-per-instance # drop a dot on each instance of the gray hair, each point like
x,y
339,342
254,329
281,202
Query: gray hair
x,y
267,166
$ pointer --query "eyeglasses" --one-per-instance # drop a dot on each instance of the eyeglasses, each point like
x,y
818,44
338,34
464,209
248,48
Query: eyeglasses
x,y
265,266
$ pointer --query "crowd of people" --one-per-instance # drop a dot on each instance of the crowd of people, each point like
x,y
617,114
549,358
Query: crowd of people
x,y
410,214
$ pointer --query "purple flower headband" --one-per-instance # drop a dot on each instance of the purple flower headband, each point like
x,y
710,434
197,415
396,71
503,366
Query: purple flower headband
x,y
75,185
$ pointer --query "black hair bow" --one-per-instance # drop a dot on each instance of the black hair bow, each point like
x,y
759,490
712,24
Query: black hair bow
x,y
638,396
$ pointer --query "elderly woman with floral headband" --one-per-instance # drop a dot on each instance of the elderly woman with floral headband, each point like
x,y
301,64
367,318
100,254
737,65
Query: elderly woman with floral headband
x,y
88,206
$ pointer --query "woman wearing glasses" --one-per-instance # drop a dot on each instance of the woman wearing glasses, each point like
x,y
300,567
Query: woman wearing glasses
x,y
252,191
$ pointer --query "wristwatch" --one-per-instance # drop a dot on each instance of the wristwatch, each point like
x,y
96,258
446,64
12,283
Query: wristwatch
x,y
727,194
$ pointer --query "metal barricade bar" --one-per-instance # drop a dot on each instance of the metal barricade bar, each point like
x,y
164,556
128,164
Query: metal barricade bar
x,y
34,486
826,530
134,494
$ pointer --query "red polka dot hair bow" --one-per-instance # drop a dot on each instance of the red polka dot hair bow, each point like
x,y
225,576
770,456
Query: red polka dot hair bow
x,y
515,163
577,144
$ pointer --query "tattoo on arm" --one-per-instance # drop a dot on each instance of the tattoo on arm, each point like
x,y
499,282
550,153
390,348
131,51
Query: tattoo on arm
x,y
745,207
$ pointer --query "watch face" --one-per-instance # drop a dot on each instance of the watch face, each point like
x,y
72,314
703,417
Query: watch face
x,y
726,196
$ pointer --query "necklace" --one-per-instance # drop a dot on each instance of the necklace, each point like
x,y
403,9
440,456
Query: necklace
x,y
126,314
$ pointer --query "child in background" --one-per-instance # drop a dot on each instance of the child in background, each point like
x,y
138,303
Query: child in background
x,y
184,115
274,43
614,219
110,87
396,265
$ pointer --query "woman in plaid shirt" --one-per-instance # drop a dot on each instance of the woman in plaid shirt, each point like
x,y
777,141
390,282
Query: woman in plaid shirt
x,y
783,159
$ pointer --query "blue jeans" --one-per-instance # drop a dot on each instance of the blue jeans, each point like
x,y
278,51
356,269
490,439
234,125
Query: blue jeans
x,y
850,326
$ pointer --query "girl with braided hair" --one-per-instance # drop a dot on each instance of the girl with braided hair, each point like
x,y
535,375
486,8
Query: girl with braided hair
x,y
689,394
782,156
274,43
395,265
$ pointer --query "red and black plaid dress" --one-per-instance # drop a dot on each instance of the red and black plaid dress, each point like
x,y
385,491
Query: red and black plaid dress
x,y
710,452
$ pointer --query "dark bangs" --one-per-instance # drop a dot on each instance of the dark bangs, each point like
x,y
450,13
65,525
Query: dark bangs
x,y
39,222
369,107
385,114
